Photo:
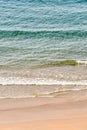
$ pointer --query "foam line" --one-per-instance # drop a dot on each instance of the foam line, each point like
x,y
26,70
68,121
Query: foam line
x,y
38,81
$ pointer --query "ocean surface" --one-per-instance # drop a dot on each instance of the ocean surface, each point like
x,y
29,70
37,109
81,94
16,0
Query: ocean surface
x,y
36,35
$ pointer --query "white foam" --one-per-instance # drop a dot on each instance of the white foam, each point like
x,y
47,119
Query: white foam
x,y
38,81
83,62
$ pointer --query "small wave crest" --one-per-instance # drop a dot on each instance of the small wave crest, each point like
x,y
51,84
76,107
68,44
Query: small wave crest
x,y
64,63
83,62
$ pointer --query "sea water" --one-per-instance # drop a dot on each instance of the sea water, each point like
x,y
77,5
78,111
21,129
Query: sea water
x,y
41,34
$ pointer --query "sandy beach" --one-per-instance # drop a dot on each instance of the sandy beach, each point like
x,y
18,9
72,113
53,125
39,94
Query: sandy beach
x,y
43,64
43,113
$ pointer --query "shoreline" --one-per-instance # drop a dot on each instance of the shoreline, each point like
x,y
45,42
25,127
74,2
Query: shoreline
x,y
42,82
67,111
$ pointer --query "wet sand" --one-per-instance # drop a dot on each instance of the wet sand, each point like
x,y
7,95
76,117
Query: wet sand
x,y
43,113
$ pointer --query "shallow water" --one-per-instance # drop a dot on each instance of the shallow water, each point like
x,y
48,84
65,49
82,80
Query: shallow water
x,y
42,82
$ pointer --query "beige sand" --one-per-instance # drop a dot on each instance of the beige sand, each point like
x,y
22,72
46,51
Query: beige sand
x,y
43,114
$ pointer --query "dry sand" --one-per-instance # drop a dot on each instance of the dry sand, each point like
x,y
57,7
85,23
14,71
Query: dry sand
x,y
43,114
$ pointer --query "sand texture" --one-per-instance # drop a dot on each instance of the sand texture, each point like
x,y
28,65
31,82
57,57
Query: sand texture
x,y
43,114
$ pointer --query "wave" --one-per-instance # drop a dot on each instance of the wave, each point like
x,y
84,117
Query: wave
x,y
63,63
22,64
38,81
41,34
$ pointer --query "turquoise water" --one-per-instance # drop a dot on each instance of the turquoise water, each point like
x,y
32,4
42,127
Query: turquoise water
x,y
42,32
36,36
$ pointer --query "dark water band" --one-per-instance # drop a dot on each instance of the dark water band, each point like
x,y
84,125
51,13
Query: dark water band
x,y
43,34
